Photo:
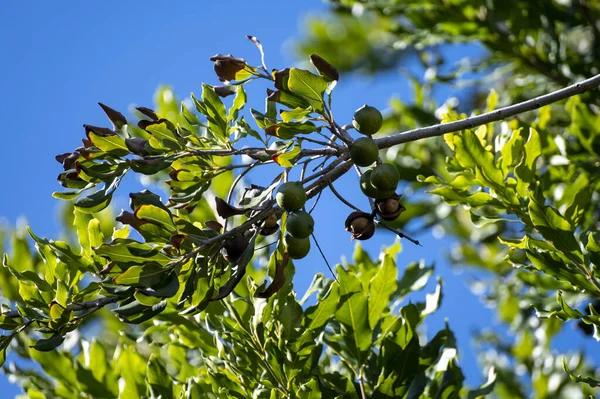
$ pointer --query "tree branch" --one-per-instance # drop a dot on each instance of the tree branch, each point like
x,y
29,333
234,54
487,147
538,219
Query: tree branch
x,y
76,306
251,150
499,114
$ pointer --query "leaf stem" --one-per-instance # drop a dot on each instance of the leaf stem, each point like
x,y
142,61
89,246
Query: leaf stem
x,y
361,384
398,232
324,258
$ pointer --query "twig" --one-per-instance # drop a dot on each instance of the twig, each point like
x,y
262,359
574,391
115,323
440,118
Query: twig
x,y
303,171
337,194
335,132
332,175
319,166
251,150
320,142
239,166
75,306
343,133
324,258
323,171
398,232
235,182
361,384
314,205
96,303
265,246
499,114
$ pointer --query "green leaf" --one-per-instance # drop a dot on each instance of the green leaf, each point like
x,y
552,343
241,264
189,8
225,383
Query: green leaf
x,y
156,215
189,116
310,390
99,200
213,108
491,100
432,301
95,172
127,251
288,99
262,120
243,129
353,312
4,342
67,195
286,159
415,278
8,323
96,237
592,382
111,144
549,264
146,314
81,221
554,227
146,275
471,154
381,286
309,86
576,199
98,359
132,368
238,104
164,135
512,151
486,388
287,131
48,344
525,170
159,381
297,114
316,316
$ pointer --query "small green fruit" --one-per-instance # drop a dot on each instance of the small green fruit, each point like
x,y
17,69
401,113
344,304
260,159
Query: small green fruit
x,y
300,224
385,177
369,189
364,151
367,120
297,248
291,196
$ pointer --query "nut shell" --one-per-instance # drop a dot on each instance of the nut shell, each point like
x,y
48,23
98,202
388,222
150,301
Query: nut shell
x,y
389,208
361,225
270,226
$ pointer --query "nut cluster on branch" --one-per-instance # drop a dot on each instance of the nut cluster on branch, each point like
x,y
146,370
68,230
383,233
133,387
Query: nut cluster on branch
x,y
191,151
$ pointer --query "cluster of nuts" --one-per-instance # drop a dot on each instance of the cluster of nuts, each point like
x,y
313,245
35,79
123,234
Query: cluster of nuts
x,y
379,182
291,196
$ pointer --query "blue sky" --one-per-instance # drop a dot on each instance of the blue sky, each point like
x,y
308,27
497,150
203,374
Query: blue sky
x,y
59,59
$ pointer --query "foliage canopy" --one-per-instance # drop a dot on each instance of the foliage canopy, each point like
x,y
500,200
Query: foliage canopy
x,y
186,278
